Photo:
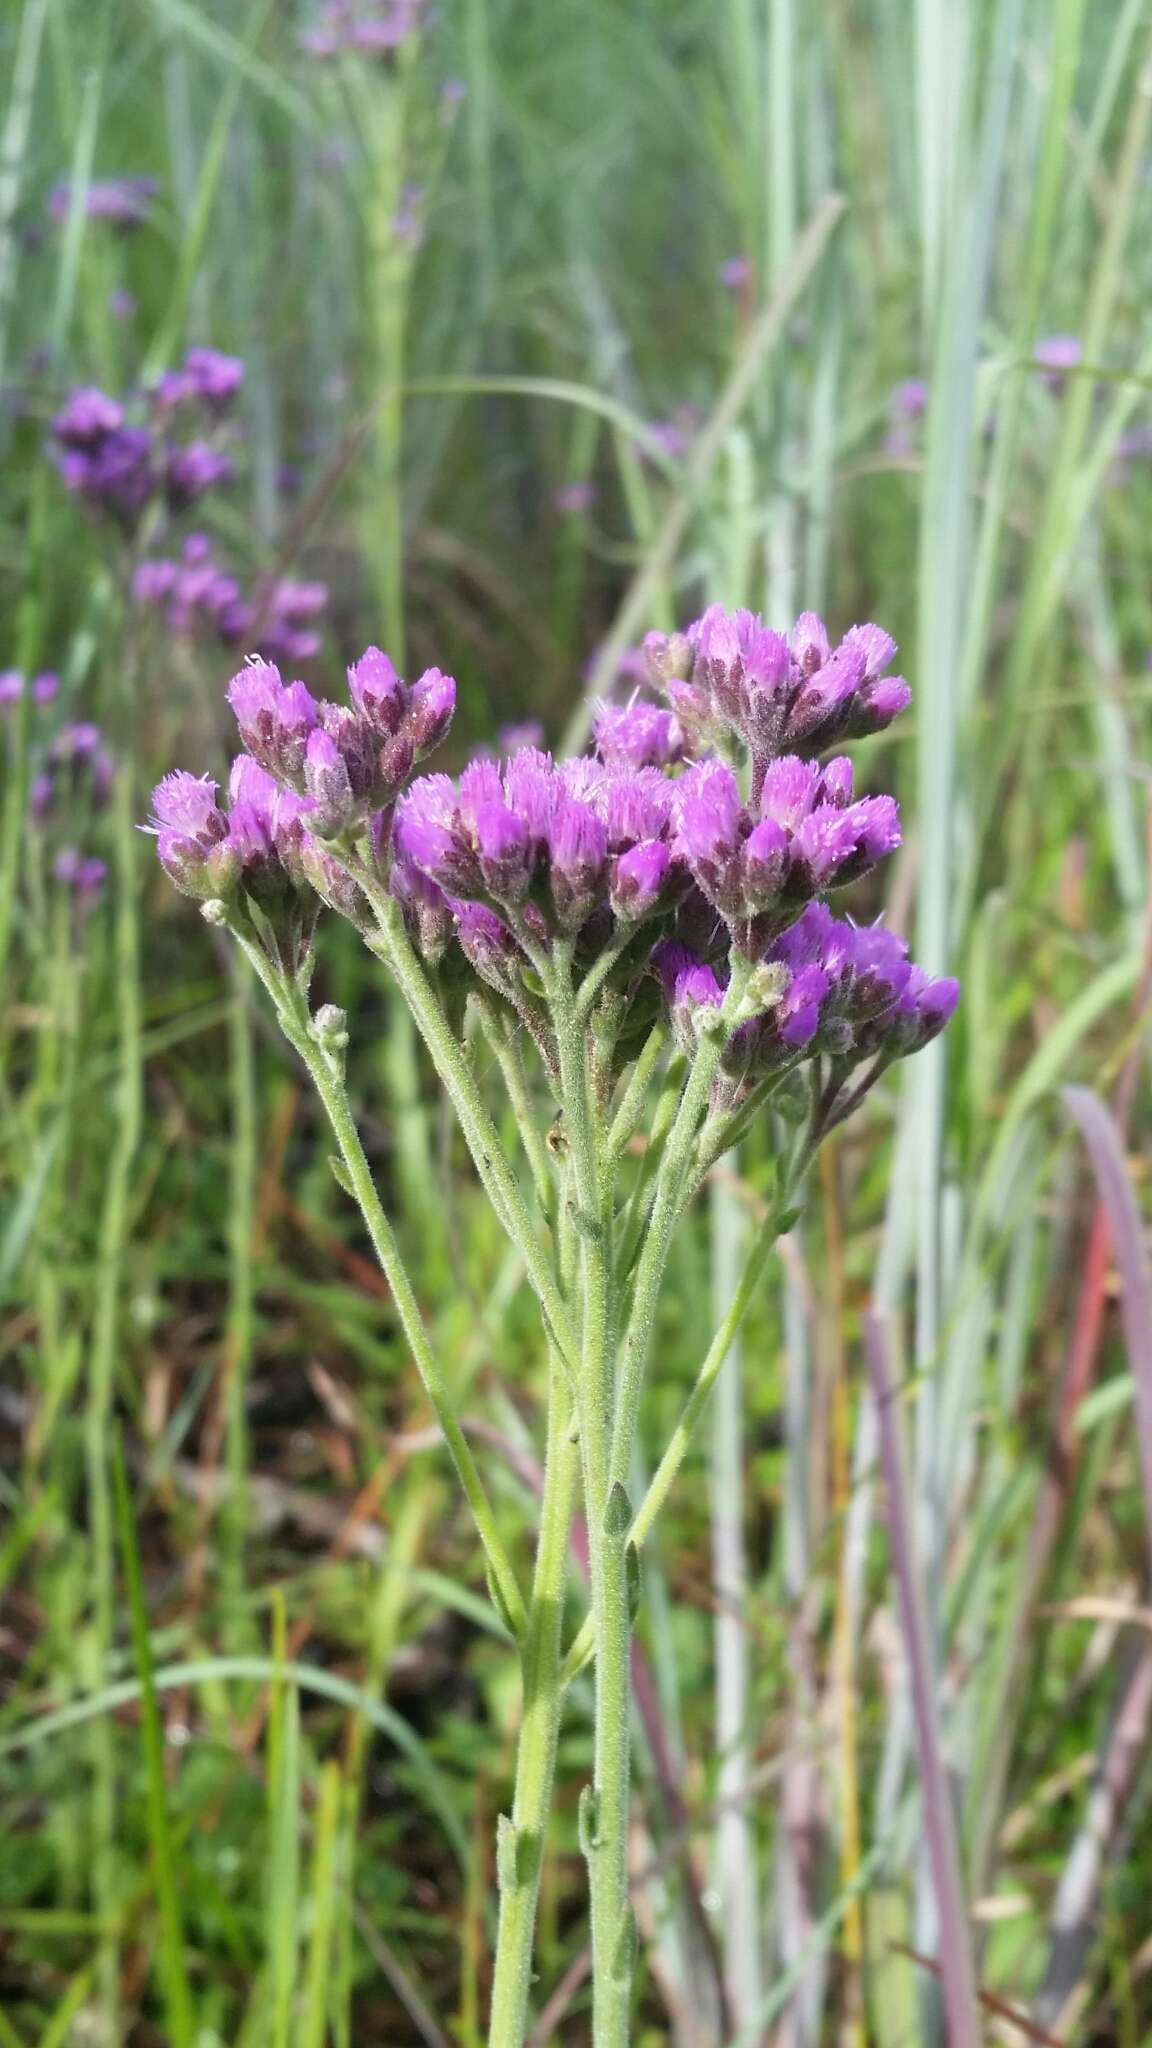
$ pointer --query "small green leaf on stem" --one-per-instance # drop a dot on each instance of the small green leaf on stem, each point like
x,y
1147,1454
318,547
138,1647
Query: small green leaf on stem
x,y
617,1511
588,1820
340,1174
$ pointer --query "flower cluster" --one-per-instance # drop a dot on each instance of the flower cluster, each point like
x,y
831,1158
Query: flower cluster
x,y
121,465
44,690
759,865
351,762
374,28
258,853
125,202
197,597
645,859
74,779
730,674
78,769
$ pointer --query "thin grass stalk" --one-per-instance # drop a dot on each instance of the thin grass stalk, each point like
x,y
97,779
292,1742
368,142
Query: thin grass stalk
x,y
956,1961
520,1851
179,2009
13,150
104,1351
734,1845
242,1179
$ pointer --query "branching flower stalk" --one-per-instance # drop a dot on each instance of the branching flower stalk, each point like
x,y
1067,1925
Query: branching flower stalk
x,y
649,922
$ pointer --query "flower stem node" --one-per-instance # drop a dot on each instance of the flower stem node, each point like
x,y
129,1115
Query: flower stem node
x,y
330,1030
214,912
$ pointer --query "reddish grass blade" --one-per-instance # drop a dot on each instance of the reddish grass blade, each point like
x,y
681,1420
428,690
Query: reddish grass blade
x,y
1126,1226
988,2000
957,1971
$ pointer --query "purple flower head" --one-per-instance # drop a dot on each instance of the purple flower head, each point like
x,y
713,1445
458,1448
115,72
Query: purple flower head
x,y
745,668
637,735
212,377
45,687
735,273
810,644
110,464
327,782
635,804
124,202
689,986
187,804
1057,354
764,864
503,851
87,420
430,836
275,719
925,1007
427,911
574,498
191,836
530,786
152,581
11,686
489,947
192,470
906,406
376,691
820,708
579,854
430,711
638,880
710,822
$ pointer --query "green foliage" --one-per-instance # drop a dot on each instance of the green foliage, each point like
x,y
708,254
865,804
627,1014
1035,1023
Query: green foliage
x,y
257,1714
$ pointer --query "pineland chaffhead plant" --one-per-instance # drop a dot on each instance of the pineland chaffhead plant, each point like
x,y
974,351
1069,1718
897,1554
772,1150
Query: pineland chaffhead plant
x,y
650,919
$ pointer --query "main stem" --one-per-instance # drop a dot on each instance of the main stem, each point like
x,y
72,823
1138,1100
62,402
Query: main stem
x,y
521,1853
605,1815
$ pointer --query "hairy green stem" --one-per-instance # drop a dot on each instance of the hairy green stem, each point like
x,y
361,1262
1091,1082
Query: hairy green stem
x,y
520,1850
297,1027
496,1174
674,1177
663,1479
605,1808
505,1044
626,1121
105,1351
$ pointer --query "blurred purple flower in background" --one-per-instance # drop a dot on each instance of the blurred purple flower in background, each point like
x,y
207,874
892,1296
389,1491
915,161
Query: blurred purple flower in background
x,y
735,273
125,202
576,497
906,406
120,467
375,28
1056,355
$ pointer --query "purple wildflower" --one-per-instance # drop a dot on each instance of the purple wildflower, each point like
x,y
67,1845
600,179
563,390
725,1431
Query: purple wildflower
x,y
124,202
574,498
193,469
1056,354
637,735
735,273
